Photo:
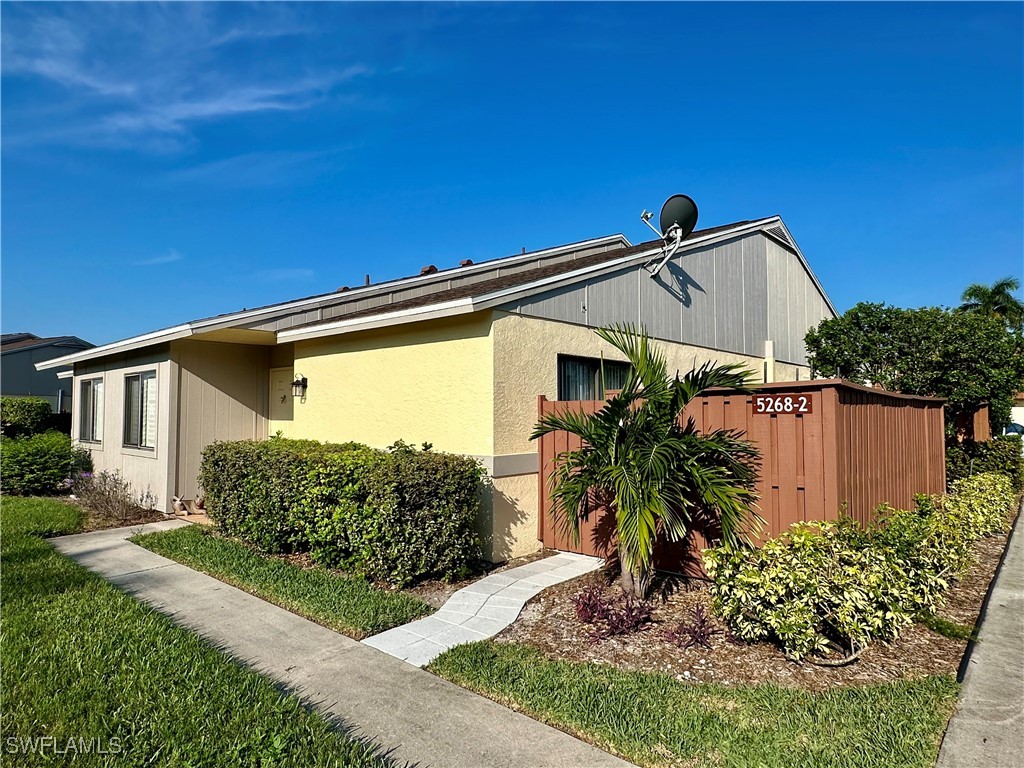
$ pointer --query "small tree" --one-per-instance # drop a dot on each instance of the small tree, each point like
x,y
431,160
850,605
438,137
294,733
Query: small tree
x,y
969,358
659,475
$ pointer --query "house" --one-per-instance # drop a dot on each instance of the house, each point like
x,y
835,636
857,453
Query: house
x,y
19,352
454,357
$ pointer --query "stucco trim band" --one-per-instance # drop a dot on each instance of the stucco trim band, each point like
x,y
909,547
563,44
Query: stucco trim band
x,y
510,464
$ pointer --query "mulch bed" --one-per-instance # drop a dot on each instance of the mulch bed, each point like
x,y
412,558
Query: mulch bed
x,y
549,623
96,521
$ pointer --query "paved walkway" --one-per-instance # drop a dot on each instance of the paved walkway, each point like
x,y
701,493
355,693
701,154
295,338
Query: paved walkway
x,y
422,718
481,610
987,730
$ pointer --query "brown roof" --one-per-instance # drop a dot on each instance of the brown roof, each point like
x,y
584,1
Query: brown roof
x,y
35,341
510,281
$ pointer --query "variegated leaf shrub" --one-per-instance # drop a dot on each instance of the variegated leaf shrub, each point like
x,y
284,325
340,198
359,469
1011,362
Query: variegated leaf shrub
x,y
825,585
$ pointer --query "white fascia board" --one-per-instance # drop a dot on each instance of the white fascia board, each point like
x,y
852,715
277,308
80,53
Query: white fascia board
x,y
456,272
125,345
65,374
427,312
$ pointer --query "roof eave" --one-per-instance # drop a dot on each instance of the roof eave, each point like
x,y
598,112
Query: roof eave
x,y
118,347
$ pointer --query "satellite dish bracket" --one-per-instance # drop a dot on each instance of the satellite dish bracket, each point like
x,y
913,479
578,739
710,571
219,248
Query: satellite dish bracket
x,y
675,232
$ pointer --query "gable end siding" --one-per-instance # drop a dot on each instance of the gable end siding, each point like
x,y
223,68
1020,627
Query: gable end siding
x,y
731,296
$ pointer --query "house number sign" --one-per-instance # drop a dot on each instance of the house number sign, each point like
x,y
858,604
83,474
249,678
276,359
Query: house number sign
x,y
782,404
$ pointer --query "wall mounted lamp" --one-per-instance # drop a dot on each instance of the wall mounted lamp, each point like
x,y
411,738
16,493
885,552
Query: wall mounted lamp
x,y
299,386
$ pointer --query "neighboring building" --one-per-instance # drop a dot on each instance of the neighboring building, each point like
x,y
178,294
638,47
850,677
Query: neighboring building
x,y
19,353
453,357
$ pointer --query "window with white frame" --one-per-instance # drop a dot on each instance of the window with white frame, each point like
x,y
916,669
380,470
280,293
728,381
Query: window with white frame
x,y
90,425
140,410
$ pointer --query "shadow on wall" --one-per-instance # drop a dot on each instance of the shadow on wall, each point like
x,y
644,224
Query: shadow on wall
x,y
500,519
680,284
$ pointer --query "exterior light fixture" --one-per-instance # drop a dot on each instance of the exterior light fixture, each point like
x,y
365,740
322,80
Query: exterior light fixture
x,y
299,386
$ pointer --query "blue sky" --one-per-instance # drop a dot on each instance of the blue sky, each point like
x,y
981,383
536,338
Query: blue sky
x,y
166,162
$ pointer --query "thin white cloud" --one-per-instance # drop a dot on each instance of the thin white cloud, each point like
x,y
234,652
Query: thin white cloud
x,y
257,169
143,79
167,258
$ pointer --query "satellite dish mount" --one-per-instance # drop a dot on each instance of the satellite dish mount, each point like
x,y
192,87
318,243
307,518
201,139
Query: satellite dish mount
x,y
678,218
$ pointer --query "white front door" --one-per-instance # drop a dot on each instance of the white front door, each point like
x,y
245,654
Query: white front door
x,y
281,394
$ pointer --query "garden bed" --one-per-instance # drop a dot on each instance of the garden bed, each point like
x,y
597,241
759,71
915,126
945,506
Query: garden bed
x,y
549,623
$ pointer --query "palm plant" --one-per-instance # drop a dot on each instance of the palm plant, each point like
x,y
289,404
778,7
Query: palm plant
x,y
996,299
659,475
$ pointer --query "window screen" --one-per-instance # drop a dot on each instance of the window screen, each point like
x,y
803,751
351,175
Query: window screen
x,y
579,378
140,410
91,410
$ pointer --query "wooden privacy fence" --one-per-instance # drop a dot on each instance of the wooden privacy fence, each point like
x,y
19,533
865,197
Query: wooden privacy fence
x,y
827,447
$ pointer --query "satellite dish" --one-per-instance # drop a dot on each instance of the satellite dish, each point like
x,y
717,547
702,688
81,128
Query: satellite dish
x,y
678,218
678,211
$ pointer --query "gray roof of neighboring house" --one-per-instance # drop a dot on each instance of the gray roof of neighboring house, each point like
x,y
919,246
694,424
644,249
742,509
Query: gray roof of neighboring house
x,y
16,342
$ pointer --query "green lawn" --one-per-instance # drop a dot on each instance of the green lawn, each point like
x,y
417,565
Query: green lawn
x,y
654,720
346,604
83,661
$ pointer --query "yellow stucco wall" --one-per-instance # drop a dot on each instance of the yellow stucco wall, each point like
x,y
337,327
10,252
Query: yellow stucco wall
x,y
424,382
511,527
526,353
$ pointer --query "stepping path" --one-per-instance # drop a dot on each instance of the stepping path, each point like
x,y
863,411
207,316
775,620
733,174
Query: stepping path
x,y
481,610
421,718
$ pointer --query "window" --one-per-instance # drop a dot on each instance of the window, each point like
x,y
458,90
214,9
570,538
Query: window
x,y
90,425
140,410
579,378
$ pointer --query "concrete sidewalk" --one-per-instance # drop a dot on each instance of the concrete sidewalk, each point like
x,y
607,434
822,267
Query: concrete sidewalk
x,y
423,719
987,729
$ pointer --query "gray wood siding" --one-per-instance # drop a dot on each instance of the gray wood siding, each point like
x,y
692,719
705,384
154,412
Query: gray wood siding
x,y
732,296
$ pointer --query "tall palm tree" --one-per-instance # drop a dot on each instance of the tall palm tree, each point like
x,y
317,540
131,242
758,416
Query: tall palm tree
x,y
996,299
660,475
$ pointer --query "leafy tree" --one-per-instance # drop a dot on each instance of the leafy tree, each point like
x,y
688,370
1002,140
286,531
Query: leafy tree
x,y
996,299
659,475
968,358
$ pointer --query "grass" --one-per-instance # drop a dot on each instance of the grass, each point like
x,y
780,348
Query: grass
x,y
951,629
654,720
347,604
83,661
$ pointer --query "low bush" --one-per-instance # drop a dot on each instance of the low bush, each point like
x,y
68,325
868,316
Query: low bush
x,y
109,496
1000,454
39,464
823,586
400,515
24,415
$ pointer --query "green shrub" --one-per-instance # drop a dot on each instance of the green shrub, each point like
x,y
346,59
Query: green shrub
x,y
24,415
1000,454
399,516
835,585
37,464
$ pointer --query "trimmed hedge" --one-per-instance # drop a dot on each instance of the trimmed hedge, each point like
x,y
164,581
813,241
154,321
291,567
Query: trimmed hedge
x,y
1000,454
24,415
40,464
400,516
824,585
